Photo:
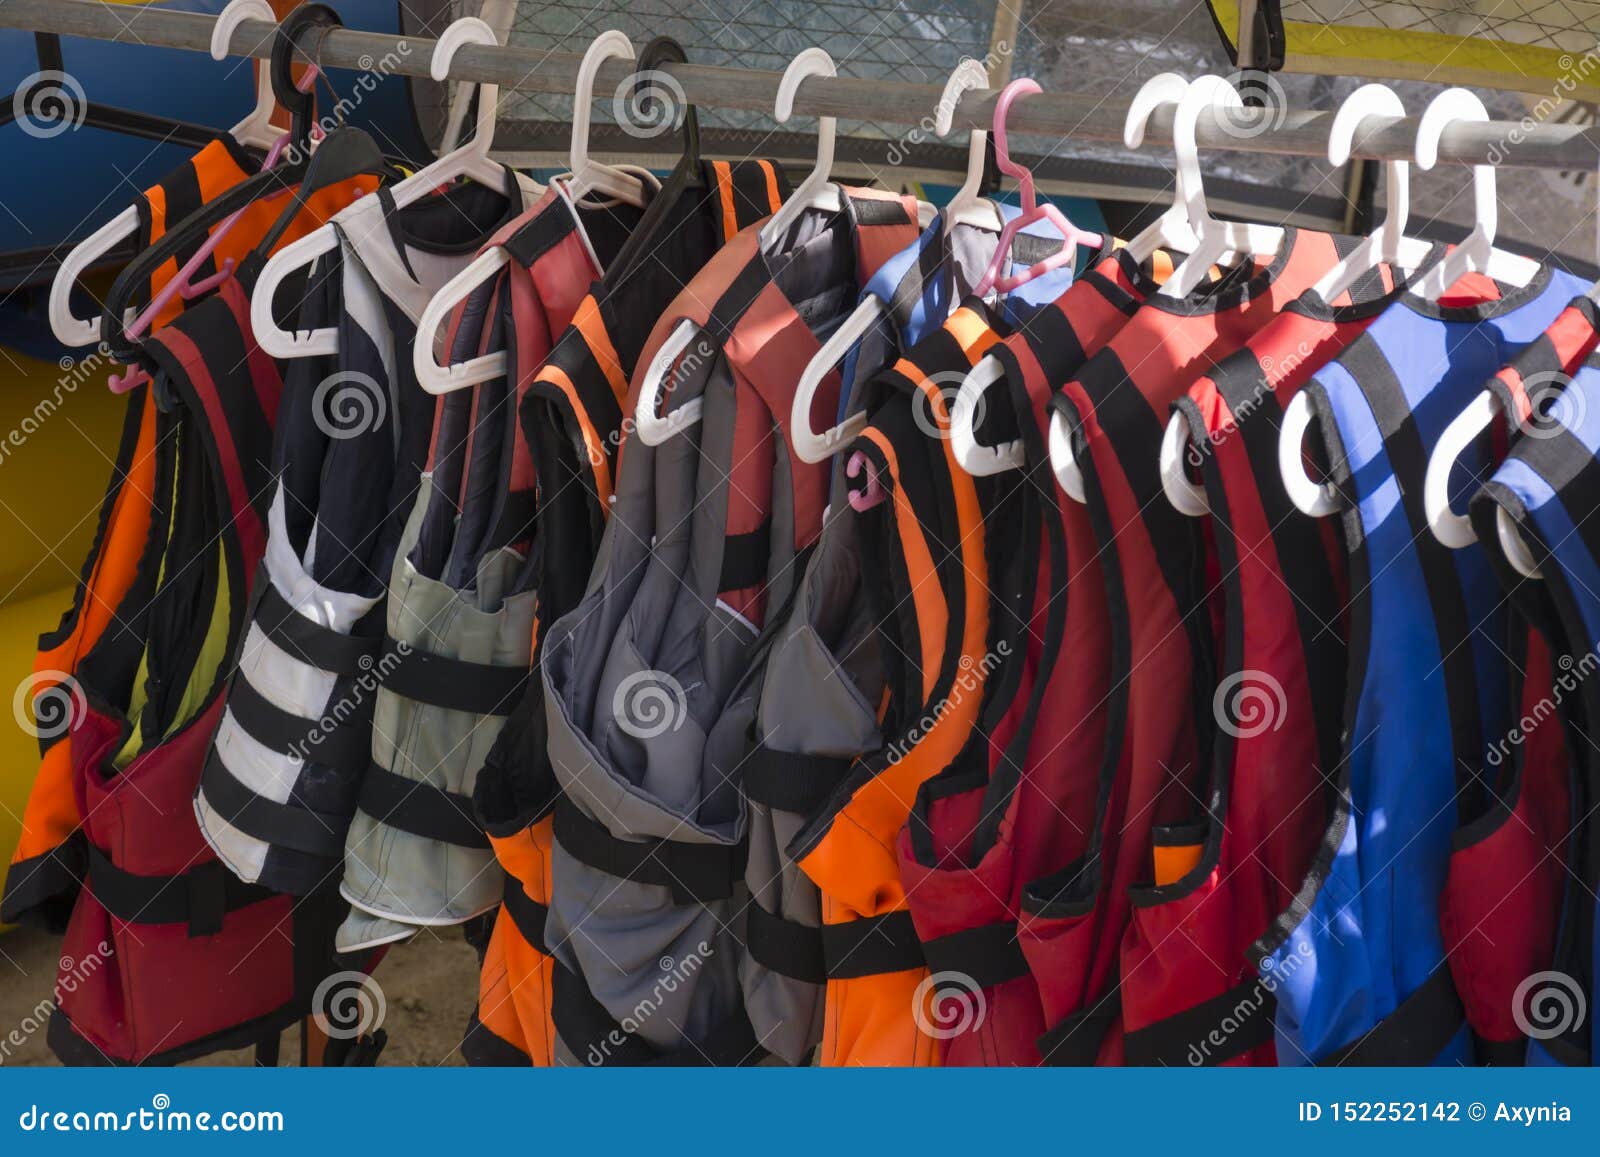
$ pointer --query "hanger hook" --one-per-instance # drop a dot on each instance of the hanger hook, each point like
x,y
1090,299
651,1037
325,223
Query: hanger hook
x,y
609,45
1162,89
235,14
811,62
650,84
968,75
469,30
1450,106
300,101
1025,86
1206,92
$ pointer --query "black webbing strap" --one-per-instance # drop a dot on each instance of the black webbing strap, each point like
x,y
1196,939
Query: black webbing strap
x,y
311,643
200,897
526,913
1076,1040
1210,1033
785,947
420,808
1413,1034
694,873
478,688
989,954
790,781
279,824
872,946
595,1038
745,558
341,743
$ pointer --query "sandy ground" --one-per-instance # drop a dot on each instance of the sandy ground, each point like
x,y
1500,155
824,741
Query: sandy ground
x,y
430,986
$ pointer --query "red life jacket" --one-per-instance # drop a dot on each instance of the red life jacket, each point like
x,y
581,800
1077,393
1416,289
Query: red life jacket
x,y
191,960
1158,710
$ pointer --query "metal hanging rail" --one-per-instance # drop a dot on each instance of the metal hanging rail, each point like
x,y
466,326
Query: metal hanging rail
x,y
1284,132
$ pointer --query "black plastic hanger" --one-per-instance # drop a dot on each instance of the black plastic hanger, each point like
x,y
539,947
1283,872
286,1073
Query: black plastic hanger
x,y
687,175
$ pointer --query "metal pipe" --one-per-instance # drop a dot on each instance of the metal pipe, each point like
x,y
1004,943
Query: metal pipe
x,y
1082,118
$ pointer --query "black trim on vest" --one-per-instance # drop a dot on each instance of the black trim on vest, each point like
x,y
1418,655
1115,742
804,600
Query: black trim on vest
x,y
200,897
311,643
347,745
280,824
595,1038
1176,1039
414,806
871,946
455,684
871,211
1413,1034
693,873
784,946
483,1048
540,235
526,913
792,781
989,954
1075,1041
745,558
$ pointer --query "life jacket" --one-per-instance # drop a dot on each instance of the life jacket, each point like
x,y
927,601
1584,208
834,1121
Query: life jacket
x,y
1003,812
708,538
1358,960
283,778
189,959
793,753
1190,994
1156,707
1543,989
460,604
572,419
48,862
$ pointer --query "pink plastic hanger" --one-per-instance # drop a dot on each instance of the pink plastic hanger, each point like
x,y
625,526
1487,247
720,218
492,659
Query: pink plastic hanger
x,y
180,283
1032,210
872,493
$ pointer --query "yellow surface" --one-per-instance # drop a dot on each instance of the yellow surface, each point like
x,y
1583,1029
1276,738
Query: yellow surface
x,y
59,428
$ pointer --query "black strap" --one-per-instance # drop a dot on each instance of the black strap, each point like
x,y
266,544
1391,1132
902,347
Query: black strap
x,y
482,1047
200,897
790,781
989,954
1076,1040
280,824
538,236
870,211
595,1038
871,946
1214,1031
1500,1054
745,558
420,808
312,643
785,947
526,913
694,873
1413,1034
479,688
344,743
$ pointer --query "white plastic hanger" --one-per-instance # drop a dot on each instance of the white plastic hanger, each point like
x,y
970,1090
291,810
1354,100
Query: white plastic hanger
x,y
498,15
1477,252
470,160
586,176
256,130
966,207
1217,238
817,191
1387,244
1170,230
